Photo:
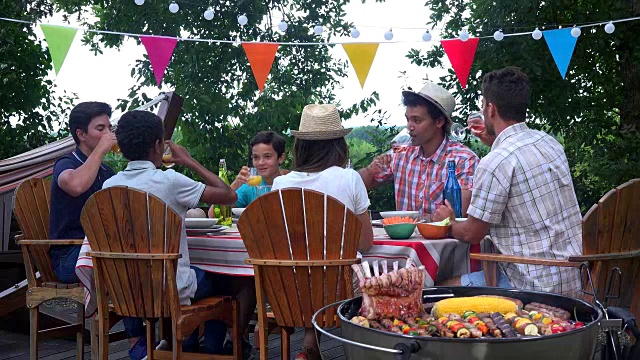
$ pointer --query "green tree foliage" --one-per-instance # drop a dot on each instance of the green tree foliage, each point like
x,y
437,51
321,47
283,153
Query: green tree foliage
x,y
223,108
30,113
596,109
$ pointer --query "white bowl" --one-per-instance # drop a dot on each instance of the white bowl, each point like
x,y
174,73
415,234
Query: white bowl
x,y
237,211
388,214
199,223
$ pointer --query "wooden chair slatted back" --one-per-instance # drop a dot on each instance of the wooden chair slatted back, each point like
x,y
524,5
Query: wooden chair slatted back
x,y
291,224
32,212
610,226
126,220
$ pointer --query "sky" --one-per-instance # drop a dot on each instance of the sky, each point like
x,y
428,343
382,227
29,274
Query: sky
x,y
107,77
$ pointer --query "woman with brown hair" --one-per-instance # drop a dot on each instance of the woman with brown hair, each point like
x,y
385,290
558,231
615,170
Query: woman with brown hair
x,y
320,154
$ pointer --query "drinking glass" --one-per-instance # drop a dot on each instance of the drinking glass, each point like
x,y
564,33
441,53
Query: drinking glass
x,y
262,189
254,178
475,122
166,156
400,142
115,148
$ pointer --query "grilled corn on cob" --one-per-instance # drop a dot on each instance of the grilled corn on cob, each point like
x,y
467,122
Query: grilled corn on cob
x,y
459,305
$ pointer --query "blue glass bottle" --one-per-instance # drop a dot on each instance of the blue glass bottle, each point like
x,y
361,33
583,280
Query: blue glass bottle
x,y
452,191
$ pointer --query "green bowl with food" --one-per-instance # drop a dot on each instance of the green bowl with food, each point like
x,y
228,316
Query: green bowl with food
x,y
400,231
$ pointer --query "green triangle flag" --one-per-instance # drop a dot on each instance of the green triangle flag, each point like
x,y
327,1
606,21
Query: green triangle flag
x,y
59,39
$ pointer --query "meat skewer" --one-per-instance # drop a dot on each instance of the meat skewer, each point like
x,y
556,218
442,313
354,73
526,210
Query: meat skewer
x,y
507,330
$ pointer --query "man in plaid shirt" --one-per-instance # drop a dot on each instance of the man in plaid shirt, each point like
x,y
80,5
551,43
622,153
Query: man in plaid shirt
x,y
420,172
523,194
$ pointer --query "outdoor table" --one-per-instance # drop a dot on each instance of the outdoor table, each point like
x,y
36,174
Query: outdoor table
x,y
444,258
225,253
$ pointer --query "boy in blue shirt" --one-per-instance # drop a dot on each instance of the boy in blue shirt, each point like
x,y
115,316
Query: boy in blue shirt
x,y
76,177
267,154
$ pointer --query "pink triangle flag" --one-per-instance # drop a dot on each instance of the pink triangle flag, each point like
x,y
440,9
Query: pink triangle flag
x,y
461,54
159,49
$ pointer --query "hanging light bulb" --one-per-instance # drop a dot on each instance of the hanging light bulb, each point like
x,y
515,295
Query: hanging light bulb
x,y
242,20
498,35
318,29
355,33
173,7
609,28
283,25
536,34
464,35
388,35
139,2
575,32
208,14
426,36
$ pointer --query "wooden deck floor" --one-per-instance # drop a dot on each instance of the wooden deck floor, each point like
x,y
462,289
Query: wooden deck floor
x,y
15,346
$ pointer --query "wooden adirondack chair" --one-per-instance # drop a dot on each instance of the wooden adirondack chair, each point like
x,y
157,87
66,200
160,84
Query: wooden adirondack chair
x,y
294,238
610,238
32,212
135,242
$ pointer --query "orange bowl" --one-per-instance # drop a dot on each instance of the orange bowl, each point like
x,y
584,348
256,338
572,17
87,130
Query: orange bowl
x,y
431,231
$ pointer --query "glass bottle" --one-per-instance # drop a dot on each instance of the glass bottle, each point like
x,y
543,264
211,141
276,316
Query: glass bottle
x,y
452,191
225,210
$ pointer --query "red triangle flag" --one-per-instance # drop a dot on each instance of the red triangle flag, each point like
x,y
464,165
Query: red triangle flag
x,y
461,54
261,56
159,49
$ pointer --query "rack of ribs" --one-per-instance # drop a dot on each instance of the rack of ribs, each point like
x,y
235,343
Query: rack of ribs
x,y
396,293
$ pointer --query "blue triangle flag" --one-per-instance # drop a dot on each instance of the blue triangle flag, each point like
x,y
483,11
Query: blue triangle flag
x,y
561,44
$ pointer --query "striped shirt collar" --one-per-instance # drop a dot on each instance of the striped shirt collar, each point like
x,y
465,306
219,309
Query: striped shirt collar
x,y
437,157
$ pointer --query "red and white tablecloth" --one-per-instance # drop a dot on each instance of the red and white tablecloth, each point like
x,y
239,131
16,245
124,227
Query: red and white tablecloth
x,y
442,258
225,253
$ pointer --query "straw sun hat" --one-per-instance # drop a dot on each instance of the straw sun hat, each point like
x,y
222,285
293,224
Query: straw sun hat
x,y
320,122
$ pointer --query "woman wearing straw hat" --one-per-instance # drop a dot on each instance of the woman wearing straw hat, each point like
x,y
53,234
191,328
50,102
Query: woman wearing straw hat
x,y
320,154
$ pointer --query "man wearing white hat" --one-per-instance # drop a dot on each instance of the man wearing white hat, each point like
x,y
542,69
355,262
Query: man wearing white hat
x,y
420,172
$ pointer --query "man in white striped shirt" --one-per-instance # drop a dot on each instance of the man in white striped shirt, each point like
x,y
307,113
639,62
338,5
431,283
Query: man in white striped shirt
x,y
523,194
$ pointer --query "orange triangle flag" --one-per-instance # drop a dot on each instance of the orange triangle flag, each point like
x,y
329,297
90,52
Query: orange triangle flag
x,y
361,57
461,54
261,56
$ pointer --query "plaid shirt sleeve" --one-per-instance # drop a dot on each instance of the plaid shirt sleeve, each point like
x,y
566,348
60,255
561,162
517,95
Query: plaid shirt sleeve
x,y
467,168
490,192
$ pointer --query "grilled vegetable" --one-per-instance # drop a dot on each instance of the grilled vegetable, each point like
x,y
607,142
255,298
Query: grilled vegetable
x,y
459,305
360,320
507,331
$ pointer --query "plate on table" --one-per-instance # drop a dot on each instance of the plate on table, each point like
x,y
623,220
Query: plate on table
x,y
237,211
200,223
217,229
377,223
388,214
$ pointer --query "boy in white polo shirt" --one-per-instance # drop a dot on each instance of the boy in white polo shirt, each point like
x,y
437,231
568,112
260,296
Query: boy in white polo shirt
x,y
140,137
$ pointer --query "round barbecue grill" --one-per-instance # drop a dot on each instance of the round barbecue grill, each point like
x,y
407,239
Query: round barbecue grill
x,y
367,343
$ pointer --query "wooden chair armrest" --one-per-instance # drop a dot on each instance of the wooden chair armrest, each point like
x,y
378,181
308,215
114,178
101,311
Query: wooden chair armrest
x,y
51,242
523,260
609,256
133,256
337,262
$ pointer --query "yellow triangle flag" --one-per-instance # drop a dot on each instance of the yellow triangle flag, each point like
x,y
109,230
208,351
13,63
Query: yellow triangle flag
x,y
361,57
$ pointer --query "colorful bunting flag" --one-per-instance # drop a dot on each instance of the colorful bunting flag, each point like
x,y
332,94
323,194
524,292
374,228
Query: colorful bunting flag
x,y
159,50
261,56
59,39
461,54
361,57
561,44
